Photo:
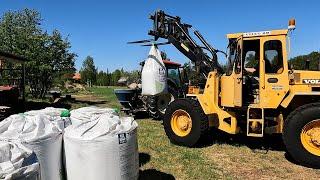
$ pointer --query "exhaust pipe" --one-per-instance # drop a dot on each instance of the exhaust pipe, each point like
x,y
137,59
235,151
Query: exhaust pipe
x,y
307,65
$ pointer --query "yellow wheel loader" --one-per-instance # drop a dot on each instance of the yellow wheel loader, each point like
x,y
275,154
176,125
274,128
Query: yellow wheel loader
x,y
258,93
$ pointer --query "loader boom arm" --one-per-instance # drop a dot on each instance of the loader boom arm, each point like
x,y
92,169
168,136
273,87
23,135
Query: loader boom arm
x,y
169,27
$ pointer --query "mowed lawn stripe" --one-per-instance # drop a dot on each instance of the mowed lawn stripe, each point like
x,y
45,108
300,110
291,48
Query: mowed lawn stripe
x,y
181,162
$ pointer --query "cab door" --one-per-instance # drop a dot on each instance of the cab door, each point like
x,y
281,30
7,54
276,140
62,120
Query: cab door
x,y
231,82
237,74
274,71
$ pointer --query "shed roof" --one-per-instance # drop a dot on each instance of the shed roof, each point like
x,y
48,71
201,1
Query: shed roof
x,y
168,62
76,76
11,57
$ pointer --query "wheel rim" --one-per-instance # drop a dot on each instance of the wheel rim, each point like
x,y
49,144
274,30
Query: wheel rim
x,y
181,123
310,137
164,101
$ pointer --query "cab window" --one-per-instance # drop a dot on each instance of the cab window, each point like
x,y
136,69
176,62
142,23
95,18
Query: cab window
x,y
273,57
173,74
250,60
251,56
234,57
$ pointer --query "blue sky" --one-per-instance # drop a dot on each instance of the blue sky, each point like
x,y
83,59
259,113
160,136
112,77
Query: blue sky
x,y
102,28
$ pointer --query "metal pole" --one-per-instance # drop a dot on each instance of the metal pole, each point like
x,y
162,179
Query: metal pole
x,y
23,85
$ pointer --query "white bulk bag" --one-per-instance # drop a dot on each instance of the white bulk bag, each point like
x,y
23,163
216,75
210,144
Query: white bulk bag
x,y
105,148
55,115
17,162
89,113
154,74
41,136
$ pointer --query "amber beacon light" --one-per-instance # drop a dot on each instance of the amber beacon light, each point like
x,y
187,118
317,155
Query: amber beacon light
x,y
292,24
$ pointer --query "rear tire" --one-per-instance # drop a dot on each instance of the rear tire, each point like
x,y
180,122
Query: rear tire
x,y
152,107
199,121
292,135
153,103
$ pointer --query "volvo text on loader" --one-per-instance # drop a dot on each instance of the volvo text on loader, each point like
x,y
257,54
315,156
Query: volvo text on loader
x,y
257,94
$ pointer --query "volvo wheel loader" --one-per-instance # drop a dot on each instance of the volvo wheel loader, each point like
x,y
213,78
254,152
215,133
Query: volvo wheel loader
x,y
257,93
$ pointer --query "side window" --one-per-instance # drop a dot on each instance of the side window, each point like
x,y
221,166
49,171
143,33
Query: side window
x,y
273,57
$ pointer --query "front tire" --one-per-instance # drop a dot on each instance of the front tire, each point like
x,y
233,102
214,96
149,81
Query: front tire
x,y
301,135
185,122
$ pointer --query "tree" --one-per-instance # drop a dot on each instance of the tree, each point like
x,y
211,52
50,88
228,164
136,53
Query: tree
x,y
88,71
251,61
109,78
102,78
163,55
300,61
116,75
134,76
49,55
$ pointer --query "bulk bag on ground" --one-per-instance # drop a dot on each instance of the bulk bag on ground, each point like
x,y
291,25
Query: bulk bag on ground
x,y
89,113
17,162
58,116
39,134
154,74
105,148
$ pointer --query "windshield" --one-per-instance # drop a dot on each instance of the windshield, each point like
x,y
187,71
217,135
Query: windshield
x,y
231,56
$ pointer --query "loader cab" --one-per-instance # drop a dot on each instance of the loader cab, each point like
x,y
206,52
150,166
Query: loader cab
x,y
176,78
173,72
257,70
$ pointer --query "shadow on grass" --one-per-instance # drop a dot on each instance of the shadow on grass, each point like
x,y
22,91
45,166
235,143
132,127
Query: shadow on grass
x,y
35,105
88,102
151,174
144,158
154,174
268,142
63,103
141,115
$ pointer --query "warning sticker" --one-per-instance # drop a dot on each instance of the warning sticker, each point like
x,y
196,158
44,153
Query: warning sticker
x,y
122,138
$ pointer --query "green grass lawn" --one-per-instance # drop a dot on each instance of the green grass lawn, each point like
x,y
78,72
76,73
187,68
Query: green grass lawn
x,y
101,96
107,93
222,157
171,161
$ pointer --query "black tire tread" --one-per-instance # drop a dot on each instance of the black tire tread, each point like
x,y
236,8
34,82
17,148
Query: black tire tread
x,y
203,117
152,107
152,104
302,158
197,109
